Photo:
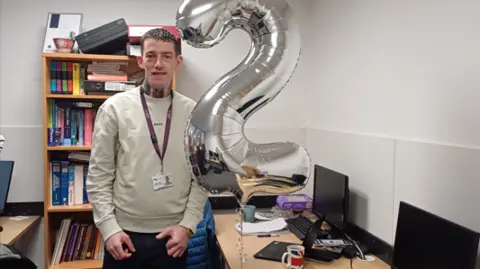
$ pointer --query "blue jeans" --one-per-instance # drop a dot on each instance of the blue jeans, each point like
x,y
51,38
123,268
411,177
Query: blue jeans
x,y
149,253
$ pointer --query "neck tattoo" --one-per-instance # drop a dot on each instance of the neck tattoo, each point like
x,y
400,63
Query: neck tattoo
x,y
154,92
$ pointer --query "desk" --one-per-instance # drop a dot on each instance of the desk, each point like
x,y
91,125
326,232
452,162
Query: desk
x,y
14,229
228,236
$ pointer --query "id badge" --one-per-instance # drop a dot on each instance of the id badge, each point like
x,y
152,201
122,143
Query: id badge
x,y
162,181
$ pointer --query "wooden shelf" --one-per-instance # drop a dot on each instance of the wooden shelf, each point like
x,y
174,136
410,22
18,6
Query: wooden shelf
x,y
84,57
55,214
84,264
69,148
70,208
81,97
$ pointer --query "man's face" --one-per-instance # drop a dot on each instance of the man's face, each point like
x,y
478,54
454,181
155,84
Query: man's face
x,y
159,62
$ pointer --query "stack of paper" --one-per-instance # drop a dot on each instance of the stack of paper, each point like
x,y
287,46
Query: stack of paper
x,y
276,225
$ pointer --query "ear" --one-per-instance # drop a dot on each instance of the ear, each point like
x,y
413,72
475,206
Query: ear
x,y
140,62
179,60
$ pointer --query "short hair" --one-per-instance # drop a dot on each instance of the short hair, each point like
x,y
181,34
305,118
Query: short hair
x,y
161,34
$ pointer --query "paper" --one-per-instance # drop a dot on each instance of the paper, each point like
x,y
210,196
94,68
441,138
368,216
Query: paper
x,y
275,225
19,218
61,25
264,216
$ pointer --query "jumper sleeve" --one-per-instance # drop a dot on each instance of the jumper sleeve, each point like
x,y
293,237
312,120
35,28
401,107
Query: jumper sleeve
x,y
101,173
195,205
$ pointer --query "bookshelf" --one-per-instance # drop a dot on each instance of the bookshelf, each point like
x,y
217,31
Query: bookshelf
x,y
55,215
73,97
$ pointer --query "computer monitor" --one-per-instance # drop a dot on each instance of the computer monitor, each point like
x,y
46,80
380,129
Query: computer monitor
x,y
6,171
331,196
424,240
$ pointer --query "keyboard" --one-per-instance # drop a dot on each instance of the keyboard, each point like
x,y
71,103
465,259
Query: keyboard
x,y
299,226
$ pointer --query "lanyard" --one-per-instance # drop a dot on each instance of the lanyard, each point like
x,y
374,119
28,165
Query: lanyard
x,y
153,136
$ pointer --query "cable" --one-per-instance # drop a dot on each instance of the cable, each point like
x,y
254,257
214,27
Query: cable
x,y
360,252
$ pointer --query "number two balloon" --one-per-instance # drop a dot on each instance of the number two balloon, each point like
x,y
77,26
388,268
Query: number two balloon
x,y
221,158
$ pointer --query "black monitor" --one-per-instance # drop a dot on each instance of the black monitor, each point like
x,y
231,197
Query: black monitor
x,y
426,241
6,171
331,196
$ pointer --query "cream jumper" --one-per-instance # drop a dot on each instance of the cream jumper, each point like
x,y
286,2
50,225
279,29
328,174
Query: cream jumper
x,y
123,162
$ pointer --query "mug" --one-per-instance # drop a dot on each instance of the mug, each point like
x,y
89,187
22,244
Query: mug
x,y
249,213
295,256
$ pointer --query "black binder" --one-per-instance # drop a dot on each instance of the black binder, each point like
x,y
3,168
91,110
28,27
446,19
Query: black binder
x,y
110,38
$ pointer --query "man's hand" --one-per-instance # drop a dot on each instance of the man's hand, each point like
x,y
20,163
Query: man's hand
x,y
178,242
114,245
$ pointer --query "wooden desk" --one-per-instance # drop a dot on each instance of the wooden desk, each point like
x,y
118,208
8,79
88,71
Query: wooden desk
x,y
14,229
228,236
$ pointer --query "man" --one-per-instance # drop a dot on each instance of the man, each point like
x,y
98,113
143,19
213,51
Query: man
x,y
138,144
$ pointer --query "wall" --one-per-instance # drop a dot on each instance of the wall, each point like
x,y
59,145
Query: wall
x,y
201,69
389,90
31,243
0,59
394,106
22,34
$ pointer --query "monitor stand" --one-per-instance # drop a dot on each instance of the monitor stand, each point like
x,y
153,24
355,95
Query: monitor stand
x,y
309,240
312,234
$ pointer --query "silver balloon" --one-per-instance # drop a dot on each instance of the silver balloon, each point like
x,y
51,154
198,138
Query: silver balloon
x,y
221,158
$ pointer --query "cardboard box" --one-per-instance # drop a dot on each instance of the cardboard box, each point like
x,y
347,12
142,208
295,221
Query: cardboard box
x,y
294,202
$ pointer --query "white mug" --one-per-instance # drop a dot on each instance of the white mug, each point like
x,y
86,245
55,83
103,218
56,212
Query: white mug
x,y
294,257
